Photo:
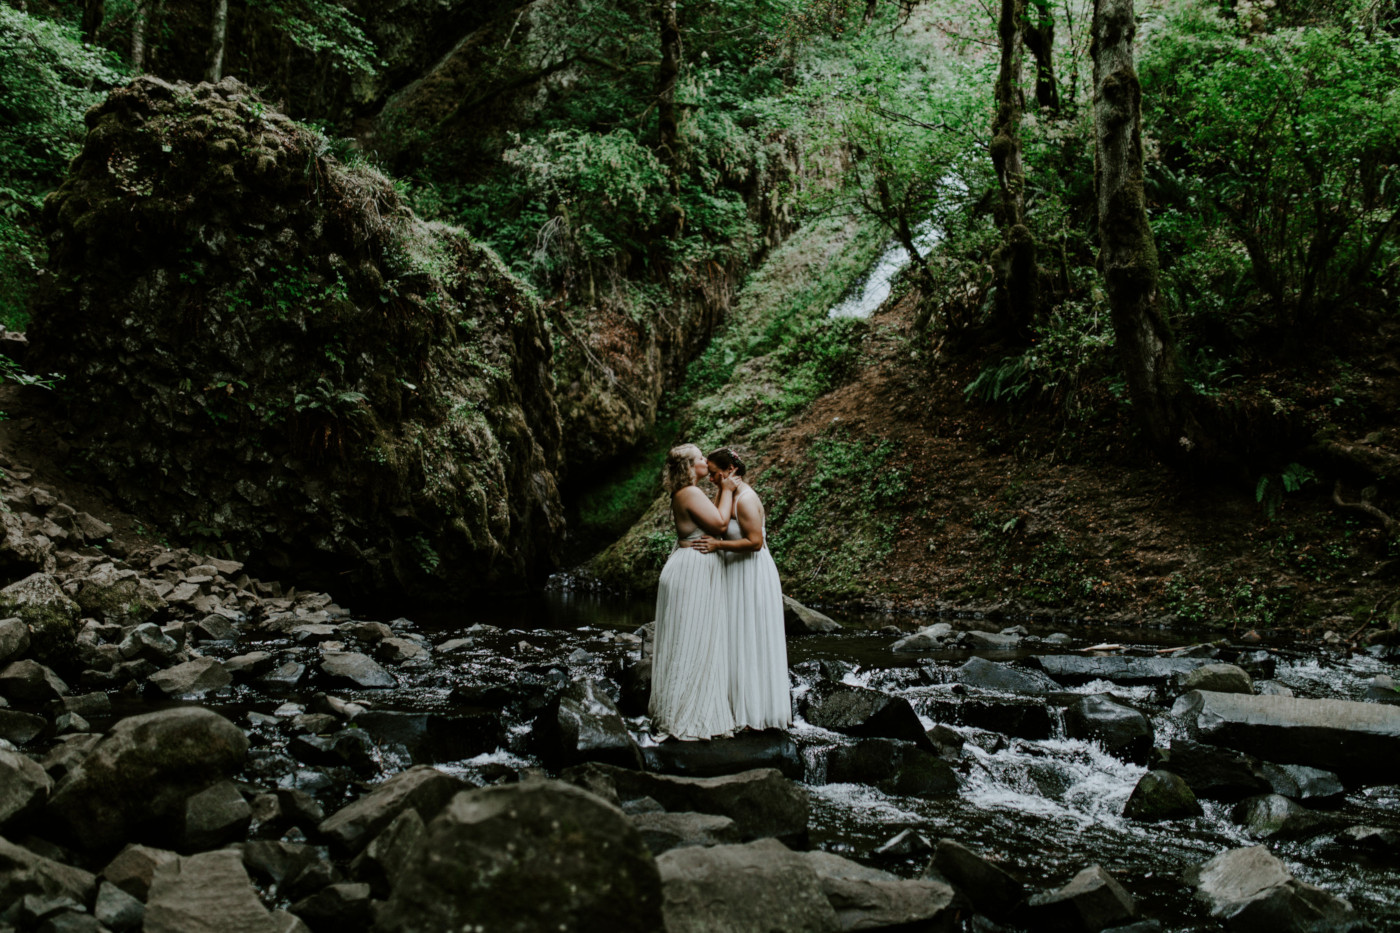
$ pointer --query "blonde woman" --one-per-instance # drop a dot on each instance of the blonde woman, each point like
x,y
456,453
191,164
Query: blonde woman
x,y
758,672
690,664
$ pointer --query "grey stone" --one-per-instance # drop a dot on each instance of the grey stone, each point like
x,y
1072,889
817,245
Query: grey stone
x,y
800,620
353,669
929,638
401,651
761,802
341,906
24,785
21,728
530,856
70,750
665,831
1161,795
14,639
1123,731
1072,669
380,863
769,748
29,681
134,868
284,676
755,888
214,816
193,678
1301,782
118,910
989,675
894,767
24,872
1221,678
1092,901
870,899
1361,739
250,665
147,642
137,779
1022,717
1214,773
1381,689
421,788
1272,816
991,889
205,893
278,862
49,613
988,641
1253,892
583,724
863,712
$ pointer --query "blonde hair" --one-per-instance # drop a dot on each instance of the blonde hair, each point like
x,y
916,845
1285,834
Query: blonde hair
x,y
676,474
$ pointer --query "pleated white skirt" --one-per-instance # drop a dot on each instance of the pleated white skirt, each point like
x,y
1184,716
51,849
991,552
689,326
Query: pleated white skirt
x,y
689,674
758,671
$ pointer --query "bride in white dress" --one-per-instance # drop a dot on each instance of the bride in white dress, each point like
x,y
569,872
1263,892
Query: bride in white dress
x,y
758,671
690,663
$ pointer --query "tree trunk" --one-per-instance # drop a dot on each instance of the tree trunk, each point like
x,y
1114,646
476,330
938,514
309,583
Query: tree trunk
x,y
93,13
138,34
1128,253
1015,260
218,36
1039,31
666,82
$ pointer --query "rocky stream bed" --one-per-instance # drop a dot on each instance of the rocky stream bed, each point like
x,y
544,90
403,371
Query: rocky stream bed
x,y
186,748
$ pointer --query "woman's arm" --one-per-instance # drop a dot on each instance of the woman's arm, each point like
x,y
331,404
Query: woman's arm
x,y
711,518
750,513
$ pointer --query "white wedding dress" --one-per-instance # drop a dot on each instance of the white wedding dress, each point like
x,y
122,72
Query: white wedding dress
x,y
758,671
690,662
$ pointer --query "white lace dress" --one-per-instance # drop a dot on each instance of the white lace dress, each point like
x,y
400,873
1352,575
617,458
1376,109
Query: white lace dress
x,y
690,663
758,671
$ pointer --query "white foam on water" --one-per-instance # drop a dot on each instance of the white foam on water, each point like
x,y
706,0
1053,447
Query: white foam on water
x,y
880,281
866,802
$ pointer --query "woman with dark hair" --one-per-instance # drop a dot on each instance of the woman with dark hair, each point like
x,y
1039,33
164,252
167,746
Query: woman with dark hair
x,y
758,673
690,662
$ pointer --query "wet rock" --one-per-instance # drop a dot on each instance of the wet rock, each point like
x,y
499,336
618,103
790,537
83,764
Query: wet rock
x,y
989,675
535,855
213,627
1122,731
583,724
355,670
1381,689
1221,678
1273,816
118,910
1014,716
1373,839
988,641
276,862
336,907
1161,795
870,899
759,886
665,831
420,788
46,610
134,868
21,728
14,639
192,679
1092,901
205,893
989,887
800,620
31,682
770,748
22,552
1072,669
25,872
929,638
137,779
1349,738
147,642
24,785
1259,664
904,844
284,676
1300,782
949,742
1213,773
634,683
351,748
119,597
894,767
862,712
381,862
401,651
761,802
214,816
1252,892
87,704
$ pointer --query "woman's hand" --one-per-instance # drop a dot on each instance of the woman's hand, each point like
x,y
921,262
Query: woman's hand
x,y
705,544
730,482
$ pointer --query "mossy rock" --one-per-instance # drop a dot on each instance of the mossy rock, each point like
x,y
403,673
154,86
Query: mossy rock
x,y
52,617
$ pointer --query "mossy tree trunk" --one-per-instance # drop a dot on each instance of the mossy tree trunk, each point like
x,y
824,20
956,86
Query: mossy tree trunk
x,y
217,39
138,33
1039,32
669,145
94,11
1015,260
1128,254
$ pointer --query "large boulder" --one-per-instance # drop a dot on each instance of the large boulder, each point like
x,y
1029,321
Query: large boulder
x,y
524,857
1092,901
1346,737
870,899
1253,892
136,781
206,893
1213,773
583,724
1003,678
1118,669
1161,795
24,872
863,712
1121,730
420,788
769,748
24,785
894,767
801,620
761,887
52,617
267,346
990,887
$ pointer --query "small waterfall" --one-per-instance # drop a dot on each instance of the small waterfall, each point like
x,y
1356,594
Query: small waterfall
x,y
872,292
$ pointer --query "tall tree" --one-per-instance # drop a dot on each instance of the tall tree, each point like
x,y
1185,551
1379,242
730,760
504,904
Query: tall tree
x,y
1015,260
94,11
1039,32
1128,253
666,79
138,33
217,39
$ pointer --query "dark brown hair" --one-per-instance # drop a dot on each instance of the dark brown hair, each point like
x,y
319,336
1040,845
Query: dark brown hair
x,y
726,459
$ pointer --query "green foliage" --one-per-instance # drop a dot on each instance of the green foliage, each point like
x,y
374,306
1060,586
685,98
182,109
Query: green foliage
x,y
608,510
1269,491
324,29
